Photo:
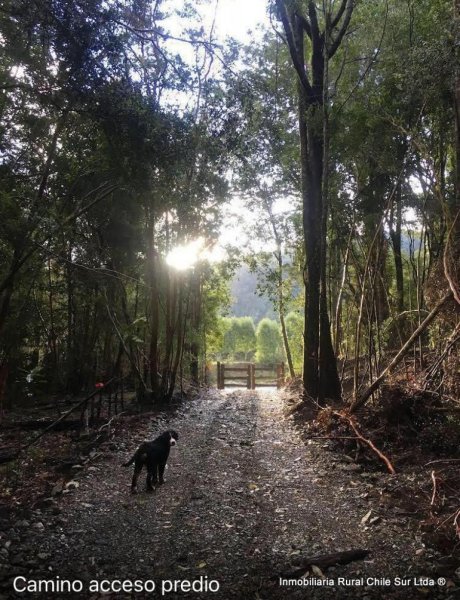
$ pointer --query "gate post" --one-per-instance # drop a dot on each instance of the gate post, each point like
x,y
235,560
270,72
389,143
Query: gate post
x,y
222,376
219,376
253,376
249,379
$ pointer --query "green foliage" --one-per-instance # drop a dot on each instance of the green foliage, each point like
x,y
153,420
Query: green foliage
x,y
216,297
269,342
245,336
294,331
239,338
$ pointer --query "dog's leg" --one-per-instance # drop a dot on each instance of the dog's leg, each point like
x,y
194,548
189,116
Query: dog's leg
x,y
137,470
155,473
161,472
149,481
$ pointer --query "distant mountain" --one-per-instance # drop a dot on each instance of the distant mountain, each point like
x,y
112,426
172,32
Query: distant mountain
x,y
246,302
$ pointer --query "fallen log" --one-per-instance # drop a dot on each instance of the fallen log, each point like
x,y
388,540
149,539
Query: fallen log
x,y
8,456
323,561
17,454
62,417
42,424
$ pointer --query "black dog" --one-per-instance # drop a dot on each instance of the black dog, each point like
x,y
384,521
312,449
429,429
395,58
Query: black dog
x,y
154,455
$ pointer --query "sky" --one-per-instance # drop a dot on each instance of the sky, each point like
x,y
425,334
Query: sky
x,y
231,17
220,20
235,17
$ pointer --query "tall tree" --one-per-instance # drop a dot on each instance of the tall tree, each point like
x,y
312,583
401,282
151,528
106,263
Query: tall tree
x,y
312,46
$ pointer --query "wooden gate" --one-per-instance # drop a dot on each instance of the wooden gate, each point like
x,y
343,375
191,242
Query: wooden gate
x,y
249,375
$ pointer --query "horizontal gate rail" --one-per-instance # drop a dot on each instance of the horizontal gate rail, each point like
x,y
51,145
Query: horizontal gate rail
x,y
226,375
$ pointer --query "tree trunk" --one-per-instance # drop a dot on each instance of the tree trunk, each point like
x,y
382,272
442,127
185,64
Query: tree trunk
x,y
52,330
170,325
195,291
395,235
330,387
320,375
5,300
321,379
152,269
73,376
457,111
279,284
329,381
287,348
338,308
311,195
180,334
7,286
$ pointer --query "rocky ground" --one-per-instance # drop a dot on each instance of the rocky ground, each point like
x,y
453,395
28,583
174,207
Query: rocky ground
x,y
245,500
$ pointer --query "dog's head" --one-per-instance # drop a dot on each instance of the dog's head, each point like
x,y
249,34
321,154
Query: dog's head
x,y
174,436
170,436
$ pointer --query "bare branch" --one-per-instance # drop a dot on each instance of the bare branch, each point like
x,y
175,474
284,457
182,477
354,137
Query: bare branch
x,y
433,496
346,21
315,34
146,33
272,23
367,441
447,272
294,50
305,23
336,20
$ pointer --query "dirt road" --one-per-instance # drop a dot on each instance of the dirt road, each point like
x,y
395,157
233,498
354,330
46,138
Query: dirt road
x,y
244,499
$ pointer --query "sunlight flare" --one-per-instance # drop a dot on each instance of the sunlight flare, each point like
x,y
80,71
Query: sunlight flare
x,y
186,256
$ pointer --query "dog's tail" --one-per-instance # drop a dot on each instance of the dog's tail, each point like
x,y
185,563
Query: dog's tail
x,y
130,461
